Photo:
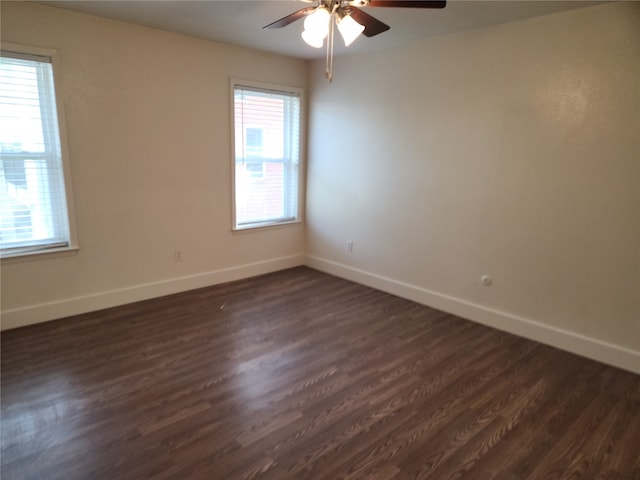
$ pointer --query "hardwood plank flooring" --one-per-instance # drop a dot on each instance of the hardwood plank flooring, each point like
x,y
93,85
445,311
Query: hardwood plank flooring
x,y
301,375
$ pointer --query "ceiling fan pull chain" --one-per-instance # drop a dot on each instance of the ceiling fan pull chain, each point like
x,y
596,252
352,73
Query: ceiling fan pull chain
x,y
328,72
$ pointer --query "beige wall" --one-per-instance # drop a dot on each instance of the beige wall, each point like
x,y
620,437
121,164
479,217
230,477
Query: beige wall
x,y
511,151
148,127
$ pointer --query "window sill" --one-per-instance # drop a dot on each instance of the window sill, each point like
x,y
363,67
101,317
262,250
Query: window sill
x,y
9,259
266,225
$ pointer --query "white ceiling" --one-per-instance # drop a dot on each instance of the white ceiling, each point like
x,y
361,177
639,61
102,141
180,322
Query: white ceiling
x,y
239,22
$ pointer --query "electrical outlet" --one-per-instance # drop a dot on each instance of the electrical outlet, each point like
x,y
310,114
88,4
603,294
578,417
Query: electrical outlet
x,y
177,255
350,246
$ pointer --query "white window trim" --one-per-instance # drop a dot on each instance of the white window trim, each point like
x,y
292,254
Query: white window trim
x,y
237,82
26,253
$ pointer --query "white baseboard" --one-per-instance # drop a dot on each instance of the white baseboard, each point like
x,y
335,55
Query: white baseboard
x,y
573,342
43,312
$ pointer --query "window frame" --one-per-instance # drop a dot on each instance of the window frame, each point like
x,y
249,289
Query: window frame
x,y
43,251
277,89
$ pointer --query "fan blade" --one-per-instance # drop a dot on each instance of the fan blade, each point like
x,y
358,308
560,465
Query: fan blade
x,y
372,26
284,21
408,3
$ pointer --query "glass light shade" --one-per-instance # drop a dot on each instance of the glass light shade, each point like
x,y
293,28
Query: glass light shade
x,y
318,22
312,39
349,29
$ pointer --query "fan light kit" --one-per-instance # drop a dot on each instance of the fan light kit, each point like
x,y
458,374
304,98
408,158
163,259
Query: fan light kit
x,y
321,20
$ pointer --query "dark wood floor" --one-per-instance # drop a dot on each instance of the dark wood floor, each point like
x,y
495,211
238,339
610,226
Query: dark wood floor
x,y
300,375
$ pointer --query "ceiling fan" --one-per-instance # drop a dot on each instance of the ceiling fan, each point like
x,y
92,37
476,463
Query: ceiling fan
x,y
351,21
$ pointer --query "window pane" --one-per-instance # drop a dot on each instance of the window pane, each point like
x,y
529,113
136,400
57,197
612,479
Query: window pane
x,y
267,148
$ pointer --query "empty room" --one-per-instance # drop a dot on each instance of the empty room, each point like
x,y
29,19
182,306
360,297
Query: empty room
x,y
320,239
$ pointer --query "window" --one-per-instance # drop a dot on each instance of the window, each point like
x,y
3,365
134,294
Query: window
x,y
33,199
266,155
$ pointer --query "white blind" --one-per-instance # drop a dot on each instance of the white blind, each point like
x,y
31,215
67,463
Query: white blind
x,y
267,156
33,208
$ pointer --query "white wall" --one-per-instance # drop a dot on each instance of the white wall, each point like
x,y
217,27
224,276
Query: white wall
x,y
148,128
511,151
